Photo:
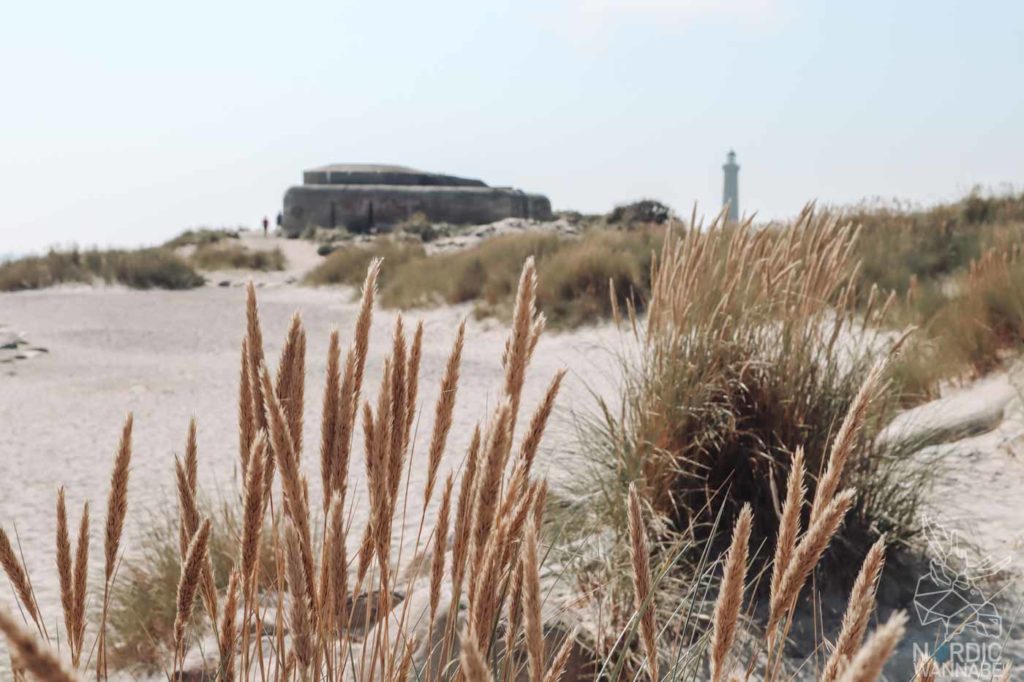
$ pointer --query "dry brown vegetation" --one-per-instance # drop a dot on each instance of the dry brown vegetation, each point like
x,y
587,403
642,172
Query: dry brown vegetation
x,y
156,268
971,322
576,276
485,547
202,235
722,390
900,244
213,256
954,271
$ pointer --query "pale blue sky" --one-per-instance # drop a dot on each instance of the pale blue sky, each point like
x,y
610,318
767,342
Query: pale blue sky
x,y
126,122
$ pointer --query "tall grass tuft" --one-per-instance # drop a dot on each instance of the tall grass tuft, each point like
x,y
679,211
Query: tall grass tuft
x,y
213,256
752,348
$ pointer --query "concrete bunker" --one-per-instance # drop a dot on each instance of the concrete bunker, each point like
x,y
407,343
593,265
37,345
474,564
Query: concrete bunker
x,y
367,197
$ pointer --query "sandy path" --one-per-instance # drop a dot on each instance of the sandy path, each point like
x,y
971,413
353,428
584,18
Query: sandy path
x,y
300,254
169,355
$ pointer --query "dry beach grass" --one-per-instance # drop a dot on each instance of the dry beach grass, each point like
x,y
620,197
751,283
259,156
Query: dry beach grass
x,y
725,394
235,257
577,277
482,559
142,269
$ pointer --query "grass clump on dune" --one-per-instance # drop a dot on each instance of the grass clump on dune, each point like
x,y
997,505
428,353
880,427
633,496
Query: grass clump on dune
x,y
985,318
579,282
970,324
639,213
486,273
476,613
154,268
574,273
752,351
348,264
900,247
142,602
201,236
922,267
236,257
954,272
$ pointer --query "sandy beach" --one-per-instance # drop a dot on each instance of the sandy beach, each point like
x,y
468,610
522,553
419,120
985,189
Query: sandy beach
x,y
166,356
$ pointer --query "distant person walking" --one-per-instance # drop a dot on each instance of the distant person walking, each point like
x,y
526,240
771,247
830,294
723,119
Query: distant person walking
x,y
266,224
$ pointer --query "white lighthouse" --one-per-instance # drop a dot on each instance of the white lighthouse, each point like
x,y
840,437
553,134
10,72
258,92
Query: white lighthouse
x,y
731,192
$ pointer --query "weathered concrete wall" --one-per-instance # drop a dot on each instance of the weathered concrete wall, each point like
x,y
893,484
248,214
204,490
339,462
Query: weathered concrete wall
x,y
360,207
371,175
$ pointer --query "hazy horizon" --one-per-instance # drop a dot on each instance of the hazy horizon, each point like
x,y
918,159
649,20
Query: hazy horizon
x,y
129,124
